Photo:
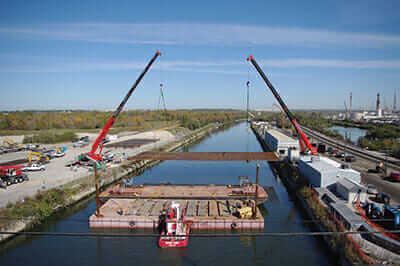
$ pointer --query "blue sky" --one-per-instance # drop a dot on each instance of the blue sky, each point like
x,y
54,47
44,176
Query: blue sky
x,y
87,54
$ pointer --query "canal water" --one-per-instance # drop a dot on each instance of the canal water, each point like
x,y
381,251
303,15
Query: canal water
x,y
353,133
281,216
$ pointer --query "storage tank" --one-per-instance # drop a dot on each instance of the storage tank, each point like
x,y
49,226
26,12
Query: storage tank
x,y
356,116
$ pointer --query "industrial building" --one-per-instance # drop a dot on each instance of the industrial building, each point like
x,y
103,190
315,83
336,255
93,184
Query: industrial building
x,y
379,115
324,172
350,191
284,145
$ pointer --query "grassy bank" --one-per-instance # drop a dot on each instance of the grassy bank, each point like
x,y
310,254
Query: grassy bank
x,y
294,182
340,244
134,120
34,210
50,138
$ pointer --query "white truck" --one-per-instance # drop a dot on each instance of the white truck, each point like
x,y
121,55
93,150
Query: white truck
x,y
34,167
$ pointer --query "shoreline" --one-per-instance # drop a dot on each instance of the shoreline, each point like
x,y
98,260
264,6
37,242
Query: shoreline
x,y
83,188
285,172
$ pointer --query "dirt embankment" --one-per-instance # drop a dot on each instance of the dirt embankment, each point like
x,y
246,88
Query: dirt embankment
x,y
78,189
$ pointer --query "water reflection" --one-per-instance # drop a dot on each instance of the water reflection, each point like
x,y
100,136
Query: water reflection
x,y
280,216
352,133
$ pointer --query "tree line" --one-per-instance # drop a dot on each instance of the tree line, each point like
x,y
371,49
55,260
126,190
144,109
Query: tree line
x,y
97,119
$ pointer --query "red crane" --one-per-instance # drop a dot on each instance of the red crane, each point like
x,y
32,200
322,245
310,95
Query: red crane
x,y
12,175
304,142
92,154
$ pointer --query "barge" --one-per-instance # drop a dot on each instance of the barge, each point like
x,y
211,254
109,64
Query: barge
x,y
202,214
243,191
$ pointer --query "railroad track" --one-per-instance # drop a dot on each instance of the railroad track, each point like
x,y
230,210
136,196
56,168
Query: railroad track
x,y
355,151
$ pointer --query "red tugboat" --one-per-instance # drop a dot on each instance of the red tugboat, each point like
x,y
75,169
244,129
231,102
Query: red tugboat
x,y
174,229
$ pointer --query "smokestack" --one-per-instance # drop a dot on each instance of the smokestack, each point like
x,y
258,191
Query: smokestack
x,y
394,101
378,108
351,100
377,102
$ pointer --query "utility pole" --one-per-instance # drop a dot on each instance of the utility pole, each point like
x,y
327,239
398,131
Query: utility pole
x,y
386,152
351,103
256,201
94,162
248,85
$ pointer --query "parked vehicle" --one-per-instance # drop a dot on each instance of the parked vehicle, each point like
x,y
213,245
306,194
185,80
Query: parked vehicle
x,y
12,175
392,216
40,157
59,154
340,155
380,168
108,156
350,158
395,176
30,146
371,189
49,153
330,150
382,197
85,138
34,167
321,148
80,144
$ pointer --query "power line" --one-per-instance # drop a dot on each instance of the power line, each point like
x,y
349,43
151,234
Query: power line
x,y
266,220
252,234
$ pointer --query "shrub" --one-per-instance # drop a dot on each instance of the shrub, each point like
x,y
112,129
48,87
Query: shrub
x,y
48,137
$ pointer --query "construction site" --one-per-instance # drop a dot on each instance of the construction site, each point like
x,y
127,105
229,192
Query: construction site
x,y
176,209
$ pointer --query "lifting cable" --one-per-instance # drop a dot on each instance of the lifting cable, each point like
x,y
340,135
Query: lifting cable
x,y
248,108
252,234
247,117
161,99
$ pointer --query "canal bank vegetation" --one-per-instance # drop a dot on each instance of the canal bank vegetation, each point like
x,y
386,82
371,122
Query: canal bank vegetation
x,y
379,137
382,138
48,137
313,120
339,243
45,203
318,122
342,245
32,211
57,126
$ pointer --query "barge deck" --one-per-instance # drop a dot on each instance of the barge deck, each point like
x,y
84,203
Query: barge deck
x,y
199,192
145,213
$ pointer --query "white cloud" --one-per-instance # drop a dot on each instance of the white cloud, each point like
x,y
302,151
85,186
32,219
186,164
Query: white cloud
x,y
327,63
37,64
198,34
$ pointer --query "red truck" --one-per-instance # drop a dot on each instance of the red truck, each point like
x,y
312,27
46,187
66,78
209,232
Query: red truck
x,y
11,175
395,176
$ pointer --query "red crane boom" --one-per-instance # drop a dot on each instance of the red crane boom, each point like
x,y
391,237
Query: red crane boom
x,y
92,154
304,142
5,169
